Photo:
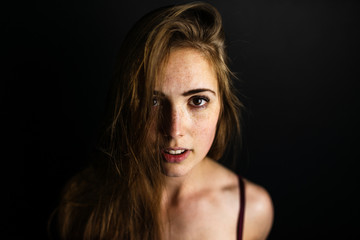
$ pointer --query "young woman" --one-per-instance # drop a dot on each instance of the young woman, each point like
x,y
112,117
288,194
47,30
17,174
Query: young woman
x,y
171,115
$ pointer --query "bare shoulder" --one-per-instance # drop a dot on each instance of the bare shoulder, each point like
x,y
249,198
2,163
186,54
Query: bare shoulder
x,y
259,212
225,178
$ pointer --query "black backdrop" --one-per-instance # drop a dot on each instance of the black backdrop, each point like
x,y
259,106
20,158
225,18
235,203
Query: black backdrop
x,y
298,66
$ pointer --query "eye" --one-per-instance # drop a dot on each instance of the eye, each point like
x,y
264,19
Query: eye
x,y
156,101
199,101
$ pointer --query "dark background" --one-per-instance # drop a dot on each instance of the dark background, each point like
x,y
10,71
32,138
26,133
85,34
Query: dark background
x,y
298,66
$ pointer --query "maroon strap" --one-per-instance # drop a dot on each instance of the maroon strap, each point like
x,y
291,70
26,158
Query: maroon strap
x,y
242,208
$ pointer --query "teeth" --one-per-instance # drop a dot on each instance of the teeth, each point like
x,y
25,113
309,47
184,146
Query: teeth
x,y
176,152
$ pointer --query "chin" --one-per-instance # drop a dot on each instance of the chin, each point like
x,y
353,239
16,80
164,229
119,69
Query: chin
x,y
175,170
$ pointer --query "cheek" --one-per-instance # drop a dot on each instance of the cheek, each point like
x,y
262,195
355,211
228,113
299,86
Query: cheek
x,y
153,129
204,132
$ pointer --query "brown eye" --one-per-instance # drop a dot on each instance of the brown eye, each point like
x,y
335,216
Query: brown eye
x,y
199,101
156,101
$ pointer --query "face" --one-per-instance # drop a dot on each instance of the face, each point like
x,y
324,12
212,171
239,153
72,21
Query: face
x,y
190,104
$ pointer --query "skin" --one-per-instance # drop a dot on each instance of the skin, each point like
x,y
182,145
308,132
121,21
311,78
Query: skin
x,y
201,197
189,95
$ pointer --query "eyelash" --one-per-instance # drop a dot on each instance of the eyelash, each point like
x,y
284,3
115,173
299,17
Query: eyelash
x,y
204,100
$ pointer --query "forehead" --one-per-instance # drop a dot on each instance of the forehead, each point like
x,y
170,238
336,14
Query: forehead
x,y
186,69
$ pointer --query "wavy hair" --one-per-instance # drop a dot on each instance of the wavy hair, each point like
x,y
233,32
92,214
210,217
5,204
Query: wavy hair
x,y
118,195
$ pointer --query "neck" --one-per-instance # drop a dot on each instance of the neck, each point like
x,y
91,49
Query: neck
x,y
183,186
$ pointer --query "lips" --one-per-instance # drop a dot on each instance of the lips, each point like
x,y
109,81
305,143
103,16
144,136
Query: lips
x,y
175,155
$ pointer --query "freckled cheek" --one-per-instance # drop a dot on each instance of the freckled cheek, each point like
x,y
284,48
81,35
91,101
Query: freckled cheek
x,y
204,130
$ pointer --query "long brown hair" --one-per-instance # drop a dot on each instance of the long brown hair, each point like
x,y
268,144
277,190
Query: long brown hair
x,y
118,195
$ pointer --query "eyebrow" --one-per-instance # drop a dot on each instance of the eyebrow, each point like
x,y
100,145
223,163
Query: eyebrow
x,y
198,90
190,92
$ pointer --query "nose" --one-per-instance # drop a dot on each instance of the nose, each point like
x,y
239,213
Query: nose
x,y
176,123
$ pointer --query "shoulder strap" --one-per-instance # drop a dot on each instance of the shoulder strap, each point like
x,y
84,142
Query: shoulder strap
x,y
242,208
